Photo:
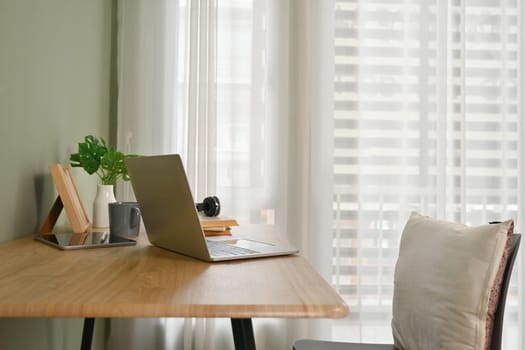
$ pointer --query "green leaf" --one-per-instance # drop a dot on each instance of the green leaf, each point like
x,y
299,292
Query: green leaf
x,y
95,156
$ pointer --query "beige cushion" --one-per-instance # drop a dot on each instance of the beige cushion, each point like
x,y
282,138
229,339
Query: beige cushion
x,y
445,276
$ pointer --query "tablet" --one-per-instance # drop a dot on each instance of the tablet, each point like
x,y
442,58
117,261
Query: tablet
x,y
70,241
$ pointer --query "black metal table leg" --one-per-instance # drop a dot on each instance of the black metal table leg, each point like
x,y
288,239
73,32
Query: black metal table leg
x,y
87,333
243,336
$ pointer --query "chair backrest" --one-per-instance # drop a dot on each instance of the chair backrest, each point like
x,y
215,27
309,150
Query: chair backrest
x,y
497,329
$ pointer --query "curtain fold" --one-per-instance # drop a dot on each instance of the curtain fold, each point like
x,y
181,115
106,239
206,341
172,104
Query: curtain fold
x,y
166,69
310,168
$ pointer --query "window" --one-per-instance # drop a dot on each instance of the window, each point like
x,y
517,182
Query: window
x,y
426,101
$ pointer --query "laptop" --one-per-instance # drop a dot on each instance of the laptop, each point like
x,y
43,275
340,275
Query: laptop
x,y
170,215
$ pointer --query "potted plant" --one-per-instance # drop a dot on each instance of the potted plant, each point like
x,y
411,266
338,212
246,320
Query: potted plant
x,y
96,157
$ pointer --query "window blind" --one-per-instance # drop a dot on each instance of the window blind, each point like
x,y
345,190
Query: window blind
x,y
426,118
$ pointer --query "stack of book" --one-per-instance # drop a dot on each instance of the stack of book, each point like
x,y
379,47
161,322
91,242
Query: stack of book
x,y
217,226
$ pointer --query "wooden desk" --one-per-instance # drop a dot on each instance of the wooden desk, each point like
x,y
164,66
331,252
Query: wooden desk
x,y
37,280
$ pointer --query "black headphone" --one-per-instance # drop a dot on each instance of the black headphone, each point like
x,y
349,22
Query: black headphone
x,y
210,206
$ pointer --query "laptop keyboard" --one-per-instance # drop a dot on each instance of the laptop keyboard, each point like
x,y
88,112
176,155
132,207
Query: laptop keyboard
x,y
220,249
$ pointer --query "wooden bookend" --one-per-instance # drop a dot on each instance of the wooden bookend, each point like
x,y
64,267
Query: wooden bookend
x,y
68,198
52,217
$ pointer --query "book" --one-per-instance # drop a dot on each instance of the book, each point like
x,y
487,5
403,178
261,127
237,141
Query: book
x,y
217,226
217,222
224,232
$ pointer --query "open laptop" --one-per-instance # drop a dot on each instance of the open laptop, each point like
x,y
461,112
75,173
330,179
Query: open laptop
x,y
170,216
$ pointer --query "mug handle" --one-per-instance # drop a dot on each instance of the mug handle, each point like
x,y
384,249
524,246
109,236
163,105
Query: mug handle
x,y
134,217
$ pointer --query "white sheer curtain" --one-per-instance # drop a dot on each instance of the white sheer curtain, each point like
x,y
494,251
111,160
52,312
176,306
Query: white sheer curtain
x,y
332,120
205,80
243,91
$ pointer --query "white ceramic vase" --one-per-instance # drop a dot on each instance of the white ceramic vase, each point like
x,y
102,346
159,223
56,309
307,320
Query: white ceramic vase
x,y
103,197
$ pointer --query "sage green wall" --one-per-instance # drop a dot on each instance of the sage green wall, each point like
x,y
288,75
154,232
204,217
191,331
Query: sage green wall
x,y
56,59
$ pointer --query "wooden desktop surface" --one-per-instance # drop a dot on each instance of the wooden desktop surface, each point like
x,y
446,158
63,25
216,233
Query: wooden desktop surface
x,y
37,280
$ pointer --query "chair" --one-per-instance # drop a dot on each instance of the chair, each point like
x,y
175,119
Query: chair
x,y
497,330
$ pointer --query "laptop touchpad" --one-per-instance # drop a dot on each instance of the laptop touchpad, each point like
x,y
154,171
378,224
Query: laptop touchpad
x,y
249,244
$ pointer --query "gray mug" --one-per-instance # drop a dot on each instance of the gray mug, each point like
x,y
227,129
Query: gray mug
x,y
124,219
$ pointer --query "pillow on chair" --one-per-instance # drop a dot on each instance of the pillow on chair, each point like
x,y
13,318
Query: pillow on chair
x,y
446,283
